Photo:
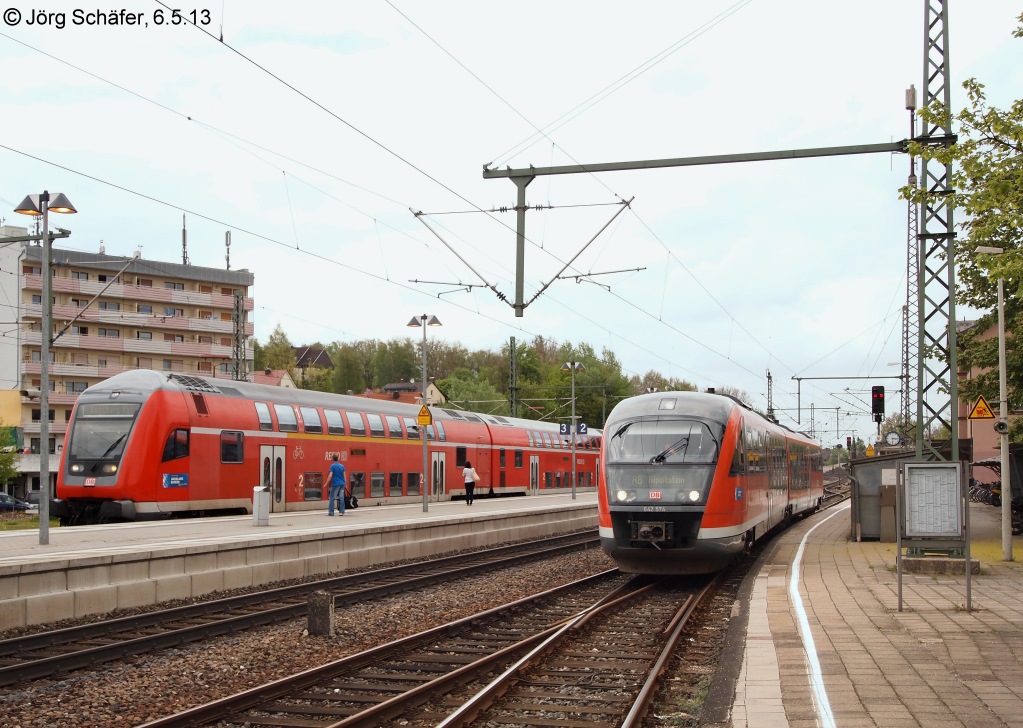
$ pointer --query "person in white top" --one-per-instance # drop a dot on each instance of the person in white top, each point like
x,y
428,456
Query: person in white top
x,y
470,476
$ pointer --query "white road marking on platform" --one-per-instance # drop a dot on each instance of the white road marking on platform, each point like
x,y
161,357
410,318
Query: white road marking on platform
x,y
821,702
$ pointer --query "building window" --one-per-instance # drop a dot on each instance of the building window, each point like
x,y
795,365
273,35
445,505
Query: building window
x,y
75,387
144,282
171,311
101,363
145,363
145,308
205,339
37,415
109,306
79,275
226,291
110,333
176,338
79,302
173,365
206,367
32,270
144,335
80,330
225,341
203,288
174,286
37,299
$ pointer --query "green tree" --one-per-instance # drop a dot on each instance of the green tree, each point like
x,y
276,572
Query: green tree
x,y
279,353
8,455
397,360
465,389
987,180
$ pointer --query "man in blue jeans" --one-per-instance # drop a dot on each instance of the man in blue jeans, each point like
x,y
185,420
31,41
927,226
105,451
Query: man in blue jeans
x,y
336,476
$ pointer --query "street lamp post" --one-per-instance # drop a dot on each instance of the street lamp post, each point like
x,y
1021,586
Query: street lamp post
x,y
425,484
37,205
1003,417
573,366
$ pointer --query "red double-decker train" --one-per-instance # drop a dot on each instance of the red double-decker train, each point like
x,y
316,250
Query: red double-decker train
x,y
147,444
690,480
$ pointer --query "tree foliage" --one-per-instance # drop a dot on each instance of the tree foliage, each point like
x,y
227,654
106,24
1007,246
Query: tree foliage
x,y
8,454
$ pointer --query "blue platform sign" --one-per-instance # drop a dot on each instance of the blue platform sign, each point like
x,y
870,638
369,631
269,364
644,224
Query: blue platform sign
x,y
175,480
581,428
564,428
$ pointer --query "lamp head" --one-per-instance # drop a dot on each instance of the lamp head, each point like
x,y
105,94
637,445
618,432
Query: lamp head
x,y
60,203
29,206
414,322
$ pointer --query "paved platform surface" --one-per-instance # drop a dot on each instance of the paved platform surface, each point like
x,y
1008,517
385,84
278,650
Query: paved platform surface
x,y
826,645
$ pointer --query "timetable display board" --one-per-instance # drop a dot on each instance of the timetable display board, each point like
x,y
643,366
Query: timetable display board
x,y
932,500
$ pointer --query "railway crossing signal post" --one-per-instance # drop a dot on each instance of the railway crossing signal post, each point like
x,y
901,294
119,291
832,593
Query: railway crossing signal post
x,y
573,366
425,419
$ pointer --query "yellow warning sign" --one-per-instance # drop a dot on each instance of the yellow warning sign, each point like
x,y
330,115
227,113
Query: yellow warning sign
x,y
424,418
981,410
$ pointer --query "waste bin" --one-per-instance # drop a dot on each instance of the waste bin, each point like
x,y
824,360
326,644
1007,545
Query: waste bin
x,y
260,506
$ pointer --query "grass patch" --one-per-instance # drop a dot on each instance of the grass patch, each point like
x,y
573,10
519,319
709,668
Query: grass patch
x,y
23,522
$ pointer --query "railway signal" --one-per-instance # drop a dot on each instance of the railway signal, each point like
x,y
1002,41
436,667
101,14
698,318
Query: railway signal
x,y
877,402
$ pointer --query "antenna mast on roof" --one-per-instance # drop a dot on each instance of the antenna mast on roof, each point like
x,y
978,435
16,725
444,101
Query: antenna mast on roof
x,y
184,241
227,242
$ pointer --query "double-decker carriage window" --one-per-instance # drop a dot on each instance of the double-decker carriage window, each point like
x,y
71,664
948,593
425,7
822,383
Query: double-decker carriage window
x,y
231,446
286,420
312,484
460,456
411,428
501,457
413,483
529,434
176,445
393,426
376,425
547,439
310,419
376,485
355,424
263,413
357,484
440,431
518,458
394,485
335,425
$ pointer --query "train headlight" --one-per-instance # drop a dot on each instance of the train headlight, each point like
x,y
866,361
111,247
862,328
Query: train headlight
x,y
110,468
77,468
694,495
623,495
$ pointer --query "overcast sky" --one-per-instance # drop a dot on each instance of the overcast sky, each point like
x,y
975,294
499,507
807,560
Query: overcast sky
x,y
314,129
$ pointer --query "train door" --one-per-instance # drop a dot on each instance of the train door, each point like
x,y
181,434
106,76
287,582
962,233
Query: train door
x,y
534,474
437,473
271,463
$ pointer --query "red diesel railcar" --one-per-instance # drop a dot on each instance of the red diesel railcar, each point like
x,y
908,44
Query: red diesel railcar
x,y
690,480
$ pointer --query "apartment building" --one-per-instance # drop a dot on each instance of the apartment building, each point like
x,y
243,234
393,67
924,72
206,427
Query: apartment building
x,y
110,314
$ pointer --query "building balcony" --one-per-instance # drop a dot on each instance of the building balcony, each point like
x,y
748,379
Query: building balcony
x,y
144,294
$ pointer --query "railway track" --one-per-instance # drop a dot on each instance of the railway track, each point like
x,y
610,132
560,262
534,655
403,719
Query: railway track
x,y
41,655
585,654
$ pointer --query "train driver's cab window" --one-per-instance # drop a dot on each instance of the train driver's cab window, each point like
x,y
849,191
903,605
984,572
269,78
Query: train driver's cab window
x,y
286,420
263,413
355,424
176,445
231,447
310,419
335,425
376,425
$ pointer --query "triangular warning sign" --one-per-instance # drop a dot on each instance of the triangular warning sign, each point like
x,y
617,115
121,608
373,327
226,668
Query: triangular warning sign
x,y
981,410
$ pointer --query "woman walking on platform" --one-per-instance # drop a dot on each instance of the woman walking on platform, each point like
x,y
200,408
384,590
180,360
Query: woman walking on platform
x,y
470,476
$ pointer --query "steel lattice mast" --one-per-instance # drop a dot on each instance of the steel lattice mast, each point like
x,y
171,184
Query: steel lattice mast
x,y
938,386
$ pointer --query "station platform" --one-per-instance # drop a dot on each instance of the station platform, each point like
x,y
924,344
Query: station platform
x,y
87,570
818,640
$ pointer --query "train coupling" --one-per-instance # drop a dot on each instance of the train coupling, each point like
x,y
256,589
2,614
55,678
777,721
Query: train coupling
x,y
653,532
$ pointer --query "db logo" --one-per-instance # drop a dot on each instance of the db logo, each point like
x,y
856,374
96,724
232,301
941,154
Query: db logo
x,y
298,454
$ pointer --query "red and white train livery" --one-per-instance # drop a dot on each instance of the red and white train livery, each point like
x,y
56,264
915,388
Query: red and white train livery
x,y
146,444
690,480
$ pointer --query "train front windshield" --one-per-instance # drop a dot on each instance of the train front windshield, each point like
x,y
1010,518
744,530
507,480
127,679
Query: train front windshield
x,y
99,433
661,462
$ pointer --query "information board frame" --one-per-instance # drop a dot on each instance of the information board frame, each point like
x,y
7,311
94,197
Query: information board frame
x,y
932,500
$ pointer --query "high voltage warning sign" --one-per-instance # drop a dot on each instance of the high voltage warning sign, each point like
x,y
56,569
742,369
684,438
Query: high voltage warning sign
x,y
981,410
